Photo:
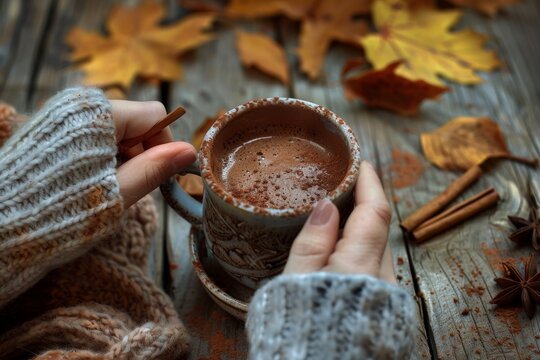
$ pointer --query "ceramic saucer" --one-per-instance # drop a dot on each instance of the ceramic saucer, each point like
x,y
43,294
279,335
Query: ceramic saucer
x,y
226,292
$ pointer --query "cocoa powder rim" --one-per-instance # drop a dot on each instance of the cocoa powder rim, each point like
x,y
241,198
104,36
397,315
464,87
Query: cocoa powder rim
x,y
212,182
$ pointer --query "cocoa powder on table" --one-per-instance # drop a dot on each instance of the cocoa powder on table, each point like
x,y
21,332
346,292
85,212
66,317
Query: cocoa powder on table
x,y
406,169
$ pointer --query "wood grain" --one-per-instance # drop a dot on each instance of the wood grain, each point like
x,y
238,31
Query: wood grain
x,y
450,276
55,73
25,23
456,269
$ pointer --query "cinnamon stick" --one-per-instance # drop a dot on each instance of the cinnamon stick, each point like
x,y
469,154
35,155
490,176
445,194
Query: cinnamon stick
x,y
160,125
456,214
436,204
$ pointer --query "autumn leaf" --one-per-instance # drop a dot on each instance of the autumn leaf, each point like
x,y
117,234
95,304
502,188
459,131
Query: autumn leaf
x,y
422,40
252,9
387,90
414,5
200,6
198,135
327,24
193,184
263,53
488,7
466,141
137,45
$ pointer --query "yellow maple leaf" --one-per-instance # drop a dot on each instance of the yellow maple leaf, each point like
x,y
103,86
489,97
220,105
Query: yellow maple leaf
x,y
296,9
424,44
137,45
329,23
262,52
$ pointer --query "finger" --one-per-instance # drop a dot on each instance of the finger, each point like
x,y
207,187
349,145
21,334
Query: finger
x,y
162,137
387,266
366,231
316,241
134,118
142,174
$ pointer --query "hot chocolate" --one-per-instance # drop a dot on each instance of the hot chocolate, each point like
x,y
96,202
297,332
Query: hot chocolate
x,y
275,164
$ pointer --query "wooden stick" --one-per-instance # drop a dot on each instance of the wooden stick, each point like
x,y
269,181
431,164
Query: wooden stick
x,y
456,214
160,125
436,204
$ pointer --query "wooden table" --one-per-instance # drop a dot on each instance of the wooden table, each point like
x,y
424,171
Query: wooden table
x,y
446,275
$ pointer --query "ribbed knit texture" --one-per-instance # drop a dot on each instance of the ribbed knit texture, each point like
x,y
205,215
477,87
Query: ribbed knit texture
x,y
58,190
61,223
330,316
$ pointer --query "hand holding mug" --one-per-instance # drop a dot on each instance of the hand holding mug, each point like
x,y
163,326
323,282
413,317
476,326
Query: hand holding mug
x,y
363,248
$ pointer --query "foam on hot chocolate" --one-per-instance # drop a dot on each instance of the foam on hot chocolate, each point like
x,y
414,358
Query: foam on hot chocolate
x,y
280,162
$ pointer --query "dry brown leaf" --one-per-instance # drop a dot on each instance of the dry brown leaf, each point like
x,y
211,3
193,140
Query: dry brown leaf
x,y
251,9
421,4
488,7
201,6
198,135
193,184
422,40
114,93
263,53
385,89
327,24
466,141
137,45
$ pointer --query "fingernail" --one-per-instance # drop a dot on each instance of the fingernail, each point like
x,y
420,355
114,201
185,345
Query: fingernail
x,y
322,212
184,159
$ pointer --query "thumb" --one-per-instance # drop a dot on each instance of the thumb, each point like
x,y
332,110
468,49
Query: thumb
x,y
316,241
143,173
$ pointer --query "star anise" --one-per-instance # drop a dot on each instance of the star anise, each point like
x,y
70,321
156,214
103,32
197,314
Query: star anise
x,y
516,287
527,230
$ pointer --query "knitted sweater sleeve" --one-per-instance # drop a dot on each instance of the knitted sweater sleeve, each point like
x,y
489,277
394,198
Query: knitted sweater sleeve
x,y
330,316
58,188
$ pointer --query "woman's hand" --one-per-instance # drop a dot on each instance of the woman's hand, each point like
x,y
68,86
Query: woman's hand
x,y
152,162
363,248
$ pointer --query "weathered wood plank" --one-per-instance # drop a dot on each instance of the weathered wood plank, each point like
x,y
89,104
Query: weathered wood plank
x,y
56,73
22,26
372,133
213,80
10,15
456,269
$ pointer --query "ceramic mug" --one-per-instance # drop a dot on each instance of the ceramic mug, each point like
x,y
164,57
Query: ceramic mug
x,y
252,243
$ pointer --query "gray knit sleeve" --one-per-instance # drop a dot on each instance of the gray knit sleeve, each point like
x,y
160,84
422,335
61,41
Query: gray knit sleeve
x,y
58,187
330,316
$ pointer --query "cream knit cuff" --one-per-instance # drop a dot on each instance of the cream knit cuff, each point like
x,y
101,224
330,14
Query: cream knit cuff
x,y
330,316
58,187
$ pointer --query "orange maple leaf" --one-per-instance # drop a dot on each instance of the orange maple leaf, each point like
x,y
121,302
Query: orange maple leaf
x,y
385,89
137,45
251,9
262,52
467,141
488,7
329,23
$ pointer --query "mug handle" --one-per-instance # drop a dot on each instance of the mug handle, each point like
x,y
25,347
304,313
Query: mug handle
x,y
177,198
